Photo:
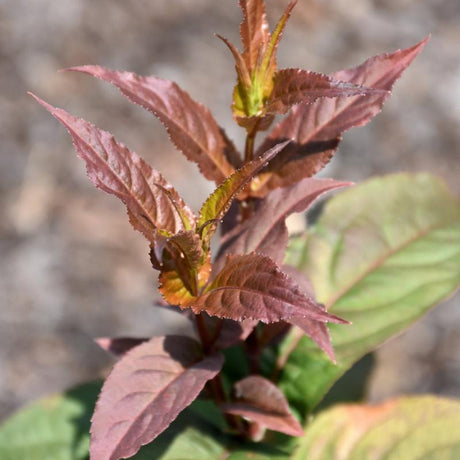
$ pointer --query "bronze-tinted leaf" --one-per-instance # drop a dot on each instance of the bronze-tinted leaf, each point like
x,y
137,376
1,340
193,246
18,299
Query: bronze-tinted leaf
x,y
267,68
152,202
264,232
185,269
192,128
297,86
259,400
183,259
218,203
224,333
318,332
146,390
316,128
254,31
253,287
257,66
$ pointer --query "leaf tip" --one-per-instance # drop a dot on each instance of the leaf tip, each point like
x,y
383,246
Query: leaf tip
x,y
47,106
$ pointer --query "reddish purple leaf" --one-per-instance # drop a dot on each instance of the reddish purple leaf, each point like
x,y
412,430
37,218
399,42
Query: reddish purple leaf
x,y
120,345
254,31
253,287
256,66
273,333
191,126
268,64
233,332
259,400
265,232
146,390
316,128
318,332
151,201
296,86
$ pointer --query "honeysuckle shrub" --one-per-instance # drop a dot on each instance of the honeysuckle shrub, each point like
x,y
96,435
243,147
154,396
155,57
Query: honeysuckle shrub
x,y
278,317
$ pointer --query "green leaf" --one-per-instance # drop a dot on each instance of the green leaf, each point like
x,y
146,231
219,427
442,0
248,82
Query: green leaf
x,y
406,428
190,437
259,452
53,428
381,255
57,428
218,203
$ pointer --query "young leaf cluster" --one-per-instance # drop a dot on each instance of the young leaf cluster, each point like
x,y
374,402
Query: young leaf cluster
x,y
244,293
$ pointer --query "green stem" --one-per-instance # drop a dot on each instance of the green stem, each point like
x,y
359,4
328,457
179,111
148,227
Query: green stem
x,y
249,146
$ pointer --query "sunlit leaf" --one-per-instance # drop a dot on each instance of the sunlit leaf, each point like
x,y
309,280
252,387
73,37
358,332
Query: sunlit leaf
x,y
253,287
408,428
254,31
191,126
264,232
152,202
381,255
146,390
296,86
218,203
316,128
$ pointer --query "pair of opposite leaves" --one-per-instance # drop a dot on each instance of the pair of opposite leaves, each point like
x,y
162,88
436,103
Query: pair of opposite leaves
x,y
156,209
248,284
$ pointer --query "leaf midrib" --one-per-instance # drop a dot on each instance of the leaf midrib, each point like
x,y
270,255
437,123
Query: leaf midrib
x,y
210,154
153,399
380,261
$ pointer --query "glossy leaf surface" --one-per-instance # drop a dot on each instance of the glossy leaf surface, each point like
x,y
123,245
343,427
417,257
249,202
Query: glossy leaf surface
x,y
407,428
146,390
152,202
382,254
191,126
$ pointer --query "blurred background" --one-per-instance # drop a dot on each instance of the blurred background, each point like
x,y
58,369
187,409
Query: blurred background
x,y
71,267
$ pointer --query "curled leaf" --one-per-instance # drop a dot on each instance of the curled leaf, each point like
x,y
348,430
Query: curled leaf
x,y
259,400
185,268
254,31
